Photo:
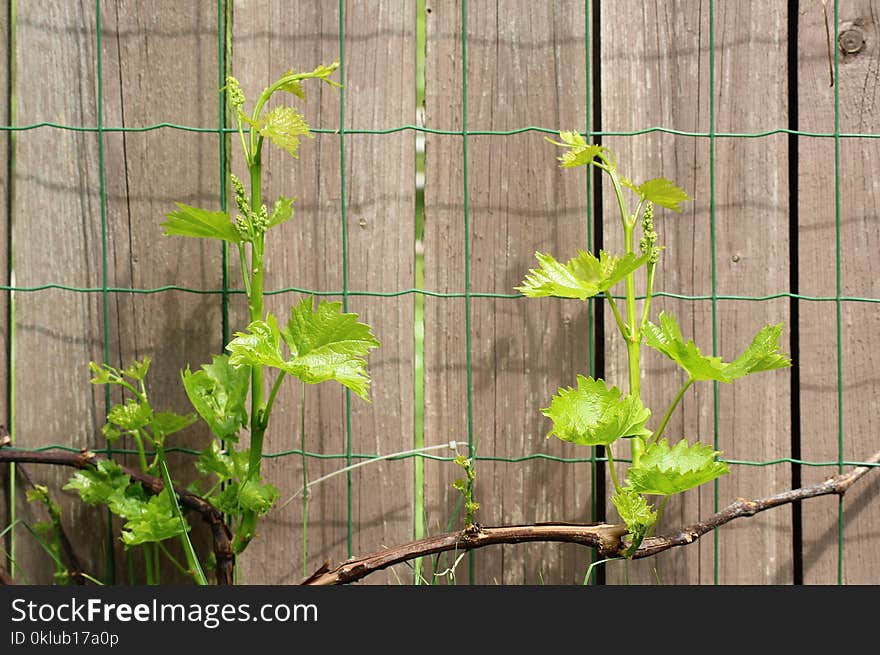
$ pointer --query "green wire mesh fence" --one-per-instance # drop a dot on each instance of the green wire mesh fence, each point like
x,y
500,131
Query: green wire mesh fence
x,y
595,67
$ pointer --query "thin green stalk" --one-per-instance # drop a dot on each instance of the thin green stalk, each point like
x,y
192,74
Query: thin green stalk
x,y
154,553
611,468
668,414
275,387
305,480
192,559
142,455
171,558
148,565
620,324
649,291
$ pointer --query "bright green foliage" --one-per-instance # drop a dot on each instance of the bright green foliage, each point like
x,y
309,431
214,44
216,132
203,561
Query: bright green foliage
x,y
465,486
194,222
595,415
291,81
107,484
218,392
581,277
660,191
282,211
283,126
580,152
155,522
666,471
250,495
638,515
132,415
325,344
167,423
226,465
762,355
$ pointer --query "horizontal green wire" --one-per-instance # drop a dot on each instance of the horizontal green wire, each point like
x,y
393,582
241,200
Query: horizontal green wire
x,y
458,133
422,292
440,458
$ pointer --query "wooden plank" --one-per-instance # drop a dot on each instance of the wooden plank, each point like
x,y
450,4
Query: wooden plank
x,y
668,85
526,66
659,79
5,190
380,192
858,76
160,65
56,239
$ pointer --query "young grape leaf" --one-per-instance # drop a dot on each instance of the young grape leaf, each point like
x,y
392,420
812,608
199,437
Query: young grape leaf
x,y
248,496
107,484
225,464
283,126
762,355
636,513
132,415
581,277
282,211
194,222
218,392
156,522
137,370
293,83
167,423
594,415
325,344
666,471
580,152
661,192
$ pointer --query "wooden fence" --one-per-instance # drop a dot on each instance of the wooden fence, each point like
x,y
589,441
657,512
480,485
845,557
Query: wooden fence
x,y
82,209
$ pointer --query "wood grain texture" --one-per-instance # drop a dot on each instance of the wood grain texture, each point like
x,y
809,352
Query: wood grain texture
x,y
666,84
526,66
56,237
859,210
270,38
6,165
661,79
160,65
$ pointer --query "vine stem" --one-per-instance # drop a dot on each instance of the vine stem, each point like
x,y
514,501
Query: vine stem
x,y
305,480
611,468
668,414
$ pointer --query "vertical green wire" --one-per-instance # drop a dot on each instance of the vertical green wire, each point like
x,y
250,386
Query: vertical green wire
x,y
715,540
10,206
222,64
838,288
467,253
343,201
110,561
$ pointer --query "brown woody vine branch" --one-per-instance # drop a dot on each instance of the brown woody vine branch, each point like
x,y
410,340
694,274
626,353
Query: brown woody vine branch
x,y
607,539
85,459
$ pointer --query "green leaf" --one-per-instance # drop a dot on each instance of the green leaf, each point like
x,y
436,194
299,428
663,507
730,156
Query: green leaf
x,y
291,81
638,515
248,496
259,345
594,415
137,370
661,192
132,415
107,484
580,152
194,222
327,344
762,355
581,277
167,423
218,392
225,464
282,211
157,522
667,471
284,126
